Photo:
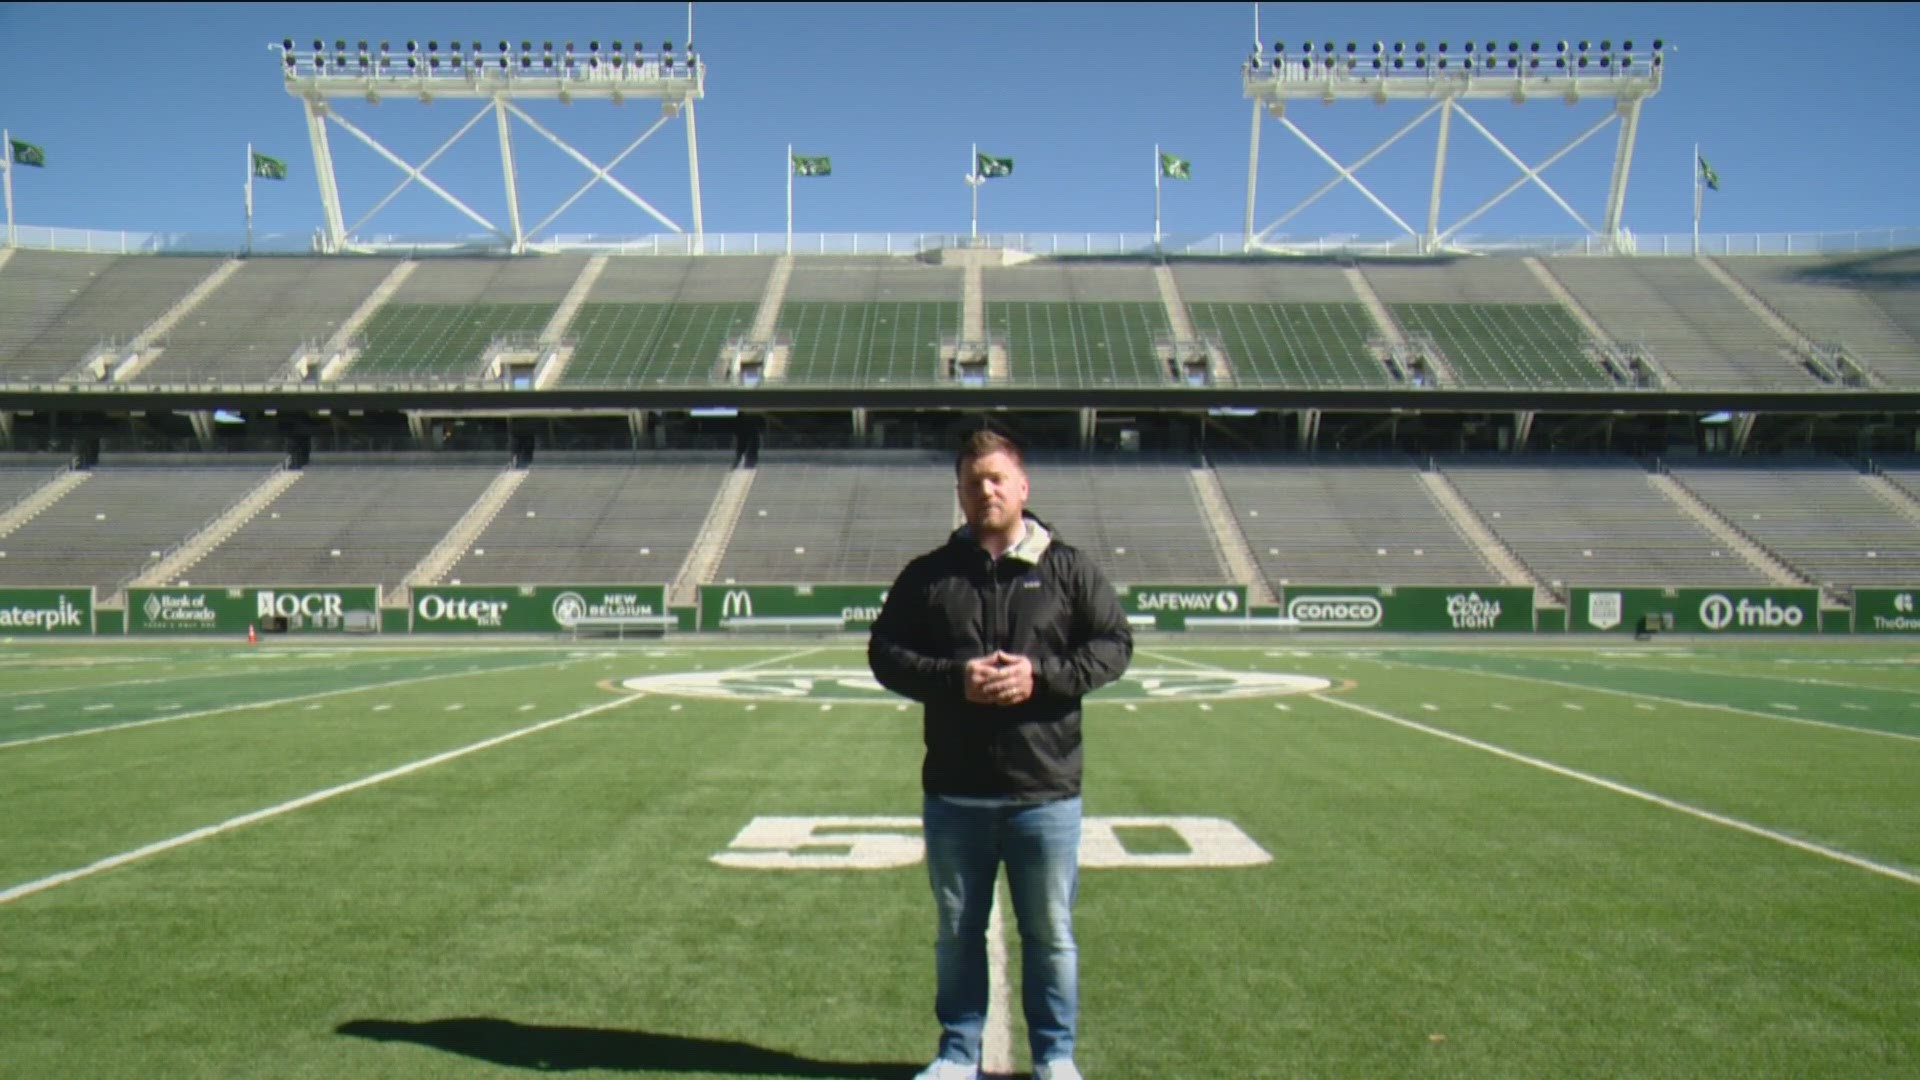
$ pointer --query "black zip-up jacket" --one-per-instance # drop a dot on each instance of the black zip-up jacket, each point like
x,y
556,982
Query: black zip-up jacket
x,y
1043,600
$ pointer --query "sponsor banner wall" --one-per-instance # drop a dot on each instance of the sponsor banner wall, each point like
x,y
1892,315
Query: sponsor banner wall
x,y
1171,604
859,605
528,609
307,608
109,620
1696,611
42,612
1886,611
1550,620
1465,609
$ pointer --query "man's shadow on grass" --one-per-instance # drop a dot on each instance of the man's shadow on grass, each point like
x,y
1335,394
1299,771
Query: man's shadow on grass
x,y
546,1048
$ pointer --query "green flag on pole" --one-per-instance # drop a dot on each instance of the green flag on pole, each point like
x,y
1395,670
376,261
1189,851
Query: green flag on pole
x,y
1175,168
987,166
812,166
25,153
1707,174
267,168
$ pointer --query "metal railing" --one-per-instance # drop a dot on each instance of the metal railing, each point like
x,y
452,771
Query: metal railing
x,y
919,243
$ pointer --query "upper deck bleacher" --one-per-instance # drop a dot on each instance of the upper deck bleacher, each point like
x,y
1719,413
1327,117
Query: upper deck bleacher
x,y
1698,331
663,321
1078,325
868,322
304,300
1829,308
56,308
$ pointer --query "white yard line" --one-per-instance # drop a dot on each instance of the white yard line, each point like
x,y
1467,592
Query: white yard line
x,y
182,840
1856,861
274,704
996,1042
1682,702
1791,681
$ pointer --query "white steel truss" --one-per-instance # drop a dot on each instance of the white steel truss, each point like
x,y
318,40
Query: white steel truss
x,y
501,79
1625,79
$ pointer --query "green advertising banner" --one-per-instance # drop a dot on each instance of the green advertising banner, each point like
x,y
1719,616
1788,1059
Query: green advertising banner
x,y
42,612
307,608
529,609
1886,611
859,605
1463,609
1171,604
1696,611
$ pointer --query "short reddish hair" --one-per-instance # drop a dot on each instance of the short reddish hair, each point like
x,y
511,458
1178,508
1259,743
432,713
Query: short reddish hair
x,y
979,444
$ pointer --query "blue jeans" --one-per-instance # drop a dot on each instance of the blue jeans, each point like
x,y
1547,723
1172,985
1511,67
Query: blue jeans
x,y
1040,845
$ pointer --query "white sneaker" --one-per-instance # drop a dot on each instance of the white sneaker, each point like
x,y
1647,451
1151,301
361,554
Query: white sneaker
x,y
942,1069
1061,1069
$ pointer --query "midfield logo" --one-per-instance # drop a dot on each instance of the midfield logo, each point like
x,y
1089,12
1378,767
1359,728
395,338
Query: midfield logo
x,y
856,686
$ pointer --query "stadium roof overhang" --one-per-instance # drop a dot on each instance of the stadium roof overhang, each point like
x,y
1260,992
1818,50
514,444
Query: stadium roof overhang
x,y
92,399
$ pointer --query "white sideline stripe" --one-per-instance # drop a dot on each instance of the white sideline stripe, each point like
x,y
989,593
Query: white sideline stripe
x,y
211,673
1808,846
1683,702
1802,680
257,705
996,1043
163,846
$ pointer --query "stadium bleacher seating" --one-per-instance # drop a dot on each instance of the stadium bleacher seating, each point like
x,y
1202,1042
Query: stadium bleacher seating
x,y
56,308
1816,514
655,321
352,519
1284,324
1827,308
1337,519
22,474
131,510
870,322
1135,515
840,516
227,339
1697,330
596,518
1593,520
1072,325
440,322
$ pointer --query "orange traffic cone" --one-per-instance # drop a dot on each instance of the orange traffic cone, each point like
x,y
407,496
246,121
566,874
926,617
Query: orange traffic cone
x,y
252,638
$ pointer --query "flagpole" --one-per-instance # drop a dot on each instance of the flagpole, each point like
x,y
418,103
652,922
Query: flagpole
x,y
6,154
973,181
1156,196
249,198
789,187
1696,200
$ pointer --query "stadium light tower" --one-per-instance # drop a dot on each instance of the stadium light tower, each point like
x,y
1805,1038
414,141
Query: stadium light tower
x,y
501,78
1330,72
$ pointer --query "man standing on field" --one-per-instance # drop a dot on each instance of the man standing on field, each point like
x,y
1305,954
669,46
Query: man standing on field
x,y
999,634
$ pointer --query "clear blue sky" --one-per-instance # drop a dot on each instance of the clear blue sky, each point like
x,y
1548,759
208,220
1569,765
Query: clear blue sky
x,y
144,112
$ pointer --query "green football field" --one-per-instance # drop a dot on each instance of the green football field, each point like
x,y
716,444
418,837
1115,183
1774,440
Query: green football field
x,y
1303,859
